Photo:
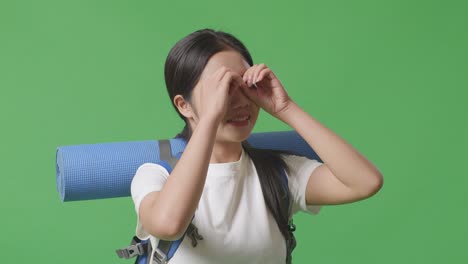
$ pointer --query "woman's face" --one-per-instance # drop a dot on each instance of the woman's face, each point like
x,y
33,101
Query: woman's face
x,y
239,105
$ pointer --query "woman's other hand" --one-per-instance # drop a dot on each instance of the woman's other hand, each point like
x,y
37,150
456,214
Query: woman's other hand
x,y
265,89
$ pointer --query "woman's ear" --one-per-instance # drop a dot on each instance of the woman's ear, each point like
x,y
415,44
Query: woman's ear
x,y
183,106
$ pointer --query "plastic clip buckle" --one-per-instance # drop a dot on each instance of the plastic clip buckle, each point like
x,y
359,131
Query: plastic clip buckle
x,y
159,257
132,251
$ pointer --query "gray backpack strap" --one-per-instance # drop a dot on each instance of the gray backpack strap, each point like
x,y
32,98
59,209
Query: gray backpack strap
x,y
160,255
161,252
165,152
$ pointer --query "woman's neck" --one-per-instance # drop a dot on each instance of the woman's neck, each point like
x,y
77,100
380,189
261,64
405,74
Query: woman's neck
x,y
226,152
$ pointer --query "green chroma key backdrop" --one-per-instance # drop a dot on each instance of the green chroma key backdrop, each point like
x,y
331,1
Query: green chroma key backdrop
x,y
390,77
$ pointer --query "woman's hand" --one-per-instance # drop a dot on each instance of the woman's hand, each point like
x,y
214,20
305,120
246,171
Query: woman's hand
x,y
265,90
215,92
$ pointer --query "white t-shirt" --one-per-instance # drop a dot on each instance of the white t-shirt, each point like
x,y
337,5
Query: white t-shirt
x,y
232,215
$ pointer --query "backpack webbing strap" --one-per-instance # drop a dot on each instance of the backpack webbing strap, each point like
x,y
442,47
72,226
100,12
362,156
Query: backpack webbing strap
x,y
166,249
160,253
291,241
165,152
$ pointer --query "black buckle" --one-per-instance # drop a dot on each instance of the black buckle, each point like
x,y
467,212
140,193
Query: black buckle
x,y
292,227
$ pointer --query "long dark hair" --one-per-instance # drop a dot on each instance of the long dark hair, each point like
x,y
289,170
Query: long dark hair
x,y
184,65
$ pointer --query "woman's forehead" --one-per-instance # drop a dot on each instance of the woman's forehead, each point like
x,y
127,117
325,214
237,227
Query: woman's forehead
x,y
231,59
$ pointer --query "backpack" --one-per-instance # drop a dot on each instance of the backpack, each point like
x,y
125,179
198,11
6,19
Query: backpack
x,y
143,249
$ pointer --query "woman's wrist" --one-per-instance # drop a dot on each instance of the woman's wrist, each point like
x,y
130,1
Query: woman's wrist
x,y
209,123
288,112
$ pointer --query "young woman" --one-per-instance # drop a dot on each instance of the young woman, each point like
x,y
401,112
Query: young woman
x,y
234,190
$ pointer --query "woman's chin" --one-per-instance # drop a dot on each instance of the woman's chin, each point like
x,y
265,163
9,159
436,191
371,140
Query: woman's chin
x,y
236,135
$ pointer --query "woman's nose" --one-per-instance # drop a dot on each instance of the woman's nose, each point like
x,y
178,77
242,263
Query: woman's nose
x,y
238,98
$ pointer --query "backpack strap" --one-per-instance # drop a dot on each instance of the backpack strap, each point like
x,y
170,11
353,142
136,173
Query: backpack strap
x,y
166,249
143,250
165,153
291,241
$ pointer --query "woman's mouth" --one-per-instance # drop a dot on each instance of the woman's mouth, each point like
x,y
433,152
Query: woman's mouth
x,y
239,120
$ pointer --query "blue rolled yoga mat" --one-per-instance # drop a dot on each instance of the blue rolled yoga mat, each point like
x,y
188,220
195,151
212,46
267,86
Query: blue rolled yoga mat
x,y
106,170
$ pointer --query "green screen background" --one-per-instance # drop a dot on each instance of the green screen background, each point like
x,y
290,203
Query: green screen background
x,y
390,77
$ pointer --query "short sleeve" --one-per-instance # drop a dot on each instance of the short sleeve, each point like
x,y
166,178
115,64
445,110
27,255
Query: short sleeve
x,y
149,177
300,169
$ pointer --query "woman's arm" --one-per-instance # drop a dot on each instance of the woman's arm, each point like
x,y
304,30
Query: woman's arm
x,y
167,213
346,175
170,211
